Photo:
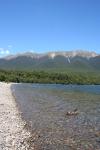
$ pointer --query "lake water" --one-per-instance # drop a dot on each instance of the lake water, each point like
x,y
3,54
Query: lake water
x,y
44,107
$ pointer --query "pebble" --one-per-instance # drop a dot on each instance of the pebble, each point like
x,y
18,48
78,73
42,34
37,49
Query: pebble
x,y
13,135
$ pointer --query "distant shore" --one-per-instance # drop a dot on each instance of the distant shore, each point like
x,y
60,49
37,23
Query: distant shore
x,y
79,78
13,135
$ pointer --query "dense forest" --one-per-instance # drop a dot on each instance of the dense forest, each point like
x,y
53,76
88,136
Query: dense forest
x,y
50,77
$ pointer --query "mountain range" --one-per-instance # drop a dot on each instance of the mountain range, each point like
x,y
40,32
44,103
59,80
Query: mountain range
x,y
78,60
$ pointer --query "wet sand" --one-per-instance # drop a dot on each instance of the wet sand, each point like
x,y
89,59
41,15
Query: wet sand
x,y
44,109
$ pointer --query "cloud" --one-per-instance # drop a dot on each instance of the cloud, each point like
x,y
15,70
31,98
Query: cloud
x,y
4,51
10,46
7,52
29,50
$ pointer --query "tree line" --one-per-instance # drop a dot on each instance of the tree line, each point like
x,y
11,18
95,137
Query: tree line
x,y
49,77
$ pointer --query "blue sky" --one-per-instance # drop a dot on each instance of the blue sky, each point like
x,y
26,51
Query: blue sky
x,y
49,25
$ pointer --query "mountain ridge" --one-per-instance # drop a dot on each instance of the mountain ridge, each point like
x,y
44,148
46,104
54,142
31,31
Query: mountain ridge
x,y
52,54
77,60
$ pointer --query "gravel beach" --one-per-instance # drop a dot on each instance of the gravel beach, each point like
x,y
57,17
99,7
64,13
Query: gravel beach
x,y
13,135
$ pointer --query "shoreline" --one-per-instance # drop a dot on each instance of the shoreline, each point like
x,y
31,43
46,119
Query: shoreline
x,y
13,134
47,126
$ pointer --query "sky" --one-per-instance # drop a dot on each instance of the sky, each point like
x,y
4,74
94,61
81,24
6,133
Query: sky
x,y
49,25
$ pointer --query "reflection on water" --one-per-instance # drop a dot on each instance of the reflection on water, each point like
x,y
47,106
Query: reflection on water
x,y
44,107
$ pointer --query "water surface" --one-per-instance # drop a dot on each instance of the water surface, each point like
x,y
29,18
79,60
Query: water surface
x,y
44,107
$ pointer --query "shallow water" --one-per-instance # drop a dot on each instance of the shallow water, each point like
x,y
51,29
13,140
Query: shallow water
x,y
44,107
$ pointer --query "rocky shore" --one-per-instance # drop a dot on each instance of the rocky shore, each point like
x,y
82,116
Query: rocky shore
x,y
13,134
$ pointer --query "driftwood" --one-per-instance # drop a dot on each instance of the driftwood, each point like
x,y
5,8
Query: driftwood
x,y
75,112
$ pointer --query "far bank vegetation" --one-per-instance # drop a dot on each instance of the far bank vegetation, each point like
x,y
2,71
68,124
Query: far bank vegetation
x,y
50,77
